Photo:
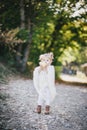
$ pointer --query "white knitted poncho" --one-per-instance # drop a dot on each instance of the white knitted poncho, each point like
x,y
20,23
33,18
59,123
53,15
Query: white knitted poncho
x,y
43,79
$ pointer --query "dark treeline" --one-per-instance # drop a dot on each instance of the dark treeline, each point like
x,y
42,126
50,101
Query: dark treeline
x,y
31,27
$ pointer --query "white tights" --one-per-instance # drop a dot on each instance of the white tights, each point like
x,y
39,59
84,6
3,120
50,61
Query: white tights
x,y
44,97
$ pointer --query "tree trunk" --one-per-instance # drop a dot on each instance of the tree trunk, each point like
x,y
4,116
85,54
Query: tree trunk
x,y
23,60
22,14
18,56
22,26
27,49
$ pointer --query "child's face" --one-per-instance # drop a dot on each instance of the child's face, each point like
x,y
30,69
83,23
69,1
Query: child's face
x,y
45,62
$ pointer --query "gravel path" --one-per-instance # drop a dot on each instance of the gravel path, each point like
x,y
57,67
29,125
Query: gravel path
x,y
18,100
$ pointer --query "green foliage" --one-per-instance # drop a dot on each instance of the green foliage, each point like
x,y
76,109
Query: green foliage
x,y
9,16
82,56
55,29
58,70
23,34
41,42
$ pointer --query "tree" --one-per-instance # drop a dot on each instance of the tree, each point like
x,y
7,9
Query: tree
x,y
39,26
66,18
30,12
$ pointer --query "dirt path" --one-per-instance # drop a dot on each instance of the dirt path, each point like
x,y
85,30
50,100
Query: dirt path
x,y
18,100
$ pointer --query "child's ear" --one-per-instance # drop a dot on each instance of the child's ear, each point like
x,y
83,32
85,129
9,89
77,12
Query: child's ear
x,y
51,55
40,57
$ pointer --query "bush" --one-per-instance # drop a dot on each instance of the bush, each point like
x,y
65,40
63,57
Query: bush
x,y
58,70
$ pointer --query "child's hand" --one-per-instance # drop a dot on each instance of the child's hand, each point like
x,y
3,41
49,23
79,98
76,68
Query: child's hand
x,y
43,64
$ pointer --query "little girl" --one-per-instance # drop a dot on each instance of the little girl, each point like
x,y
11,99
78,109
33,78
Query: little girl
x,y
44,82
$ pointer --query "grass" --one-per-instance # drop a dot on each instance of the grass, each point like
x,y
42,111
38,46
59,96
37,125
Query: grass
x,y
5,72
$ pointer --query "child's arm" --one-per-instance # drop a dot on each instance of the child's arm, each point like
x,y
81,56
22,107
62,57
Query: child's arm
x,y
35,79
51,75
51,81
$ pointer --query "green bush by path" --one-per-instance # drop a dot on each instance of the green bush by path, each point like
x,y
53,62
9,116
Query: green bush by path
x,y
58,70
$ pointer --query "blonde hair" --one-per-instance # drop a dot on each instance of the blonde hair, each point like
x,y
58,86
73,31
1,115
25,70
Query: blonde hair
x,y
49,55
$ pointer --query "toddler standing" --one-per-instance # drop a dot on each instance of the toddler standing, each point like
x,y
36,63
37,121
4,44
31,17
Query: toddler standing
x,y
44,82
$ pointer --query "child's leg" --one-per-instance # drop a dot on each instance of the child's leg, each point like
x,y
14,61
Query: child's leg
x,y
40,100
47,97
40,103
48,101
